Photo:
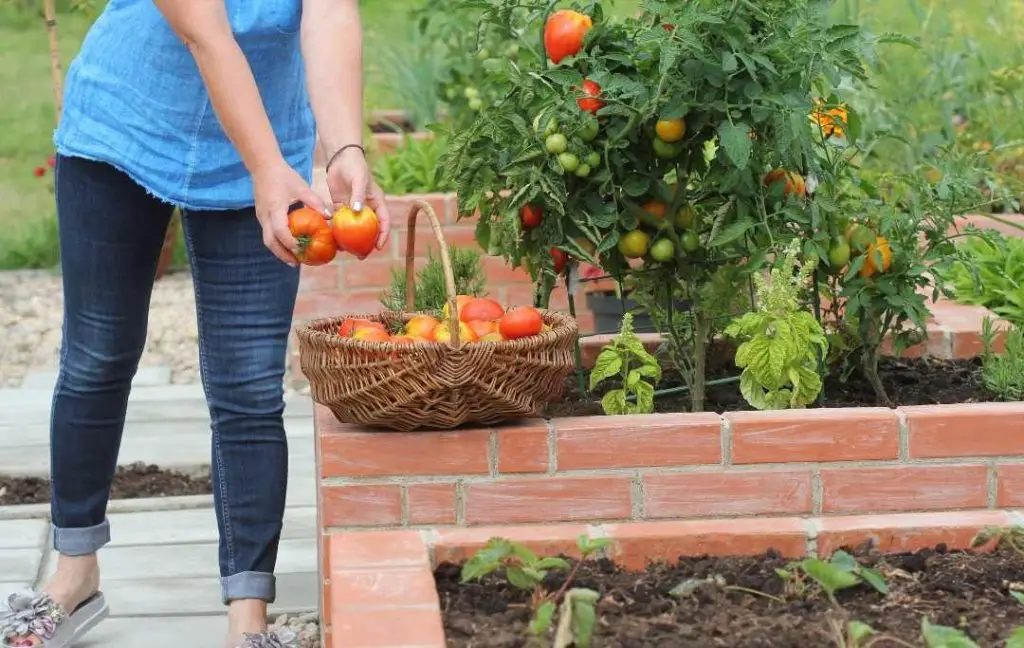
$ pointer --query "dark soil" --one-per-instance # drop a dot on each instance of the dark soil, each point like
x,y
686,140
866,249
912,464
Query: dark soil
x,y
967,591
922,381
131,482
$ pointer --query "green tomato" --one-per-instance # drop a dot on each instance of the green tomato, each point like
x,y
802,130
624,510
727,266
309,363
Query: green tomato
x,y
666,150
556,143
450,94
552,127
663,250
512,51
569,162
690,241
483,54
588,132
475,103
839,254
593,158
583,170
471,92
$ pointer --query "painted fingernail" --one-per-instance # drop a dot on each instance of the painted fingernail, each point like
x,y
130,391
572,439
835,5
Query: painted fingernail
x,y
327,213
357,206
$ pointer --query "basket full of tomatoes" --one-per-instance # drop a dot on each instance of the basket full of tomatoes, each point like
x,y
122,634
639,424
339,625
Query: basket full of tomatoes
x,y
476,364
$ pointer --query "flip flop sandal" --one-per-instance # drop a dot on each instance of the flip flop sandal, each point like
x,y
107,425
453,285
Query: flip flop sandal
x,y
35,614
277,638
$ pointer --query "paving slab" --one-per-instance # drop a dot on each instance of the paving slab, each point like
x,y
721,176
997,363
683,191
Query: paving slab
x,y
188,560
200,596
25,534
9,587
196,526
163,632
20,565
144,377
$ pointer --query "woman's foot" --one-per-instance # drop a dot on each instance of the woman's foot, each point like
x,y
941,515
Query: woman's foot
x,y
247,627
77,579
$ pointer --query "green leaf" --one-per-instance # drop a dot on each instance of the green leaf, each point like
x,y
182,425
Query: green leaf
x,y
729,63
936,636
844,561
614,402
735,139
542,618
831,578
874,579
1016,638
1017,596
644,397
552,563
732,232
607,365
858,631
521,578
584,618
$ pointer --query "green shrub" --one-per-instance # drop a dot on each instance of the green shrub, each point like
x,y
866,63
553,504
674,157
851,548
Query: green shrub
x,y
990,273
1003,373
430,290
412,168
33,245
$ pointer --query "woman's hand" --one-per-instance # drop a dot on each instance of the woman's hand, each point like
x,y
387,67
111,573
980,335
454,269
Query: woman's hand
x,y
351,183
276,188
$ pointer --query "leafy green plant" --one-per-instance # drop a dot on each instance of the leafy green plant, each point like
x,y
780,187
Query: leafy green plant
x,y
784,344
989,272
627,359
410,74
1003,373
575,608
32,245
841,571
430,293
414,167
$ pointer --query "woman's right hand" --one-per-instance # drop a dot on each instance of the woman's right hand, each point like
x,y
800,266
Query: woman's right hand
x,y
276,188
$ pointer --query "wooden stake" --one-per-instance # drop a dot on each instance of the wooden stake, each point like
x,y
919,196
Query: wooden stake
x,y
50,12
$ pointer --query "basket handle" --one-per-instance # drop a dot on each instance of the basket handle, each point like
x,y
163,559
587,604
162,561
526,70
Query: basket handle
x,y
446,265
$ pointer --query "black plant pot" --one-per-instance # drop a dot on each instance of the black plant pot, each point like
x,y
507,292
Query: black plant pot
x,y
608,310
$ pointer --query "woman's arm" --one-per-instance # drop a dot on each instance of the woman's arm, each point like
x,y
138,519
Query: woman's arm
x,y
204,27
332,46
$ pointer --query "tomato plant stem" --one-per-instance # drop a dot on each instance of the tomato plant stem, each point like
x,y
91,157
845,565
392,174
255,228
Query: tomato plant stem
x,y
581,379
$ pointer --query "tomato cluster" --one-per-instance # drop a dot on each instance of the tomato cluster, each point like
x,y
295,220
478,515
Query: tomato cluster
x,y
480,320
319,239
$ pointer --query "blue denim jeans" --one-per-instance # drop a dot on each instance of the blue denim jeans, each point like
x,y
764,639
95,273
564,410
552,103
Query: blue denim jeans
x,y
111,232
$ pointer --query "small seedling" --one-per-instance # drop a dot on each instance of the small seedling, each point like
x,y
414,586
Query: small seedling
x,y
1012,537
840,572
525,570
936,636
627,359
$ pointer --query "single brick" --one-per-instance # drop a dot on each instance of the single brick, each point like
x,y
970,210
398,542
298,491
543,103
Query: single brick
x,y
389,627
903,532
816,435
523,448
431,503
904,488
972,430
705,494
354,453
645,441
377,505
1010,485
552,499
376,550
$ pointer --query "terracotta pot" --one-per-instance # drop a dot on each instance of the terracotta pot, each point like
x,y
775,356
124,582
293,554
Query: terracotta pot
x,y
170,242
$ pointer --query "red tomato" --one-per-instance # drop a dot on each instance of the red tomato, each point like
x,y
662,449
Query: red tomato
x,y
350,325
481,309
591,103
530,216
560,258
355,233
313,234
564,33
521,322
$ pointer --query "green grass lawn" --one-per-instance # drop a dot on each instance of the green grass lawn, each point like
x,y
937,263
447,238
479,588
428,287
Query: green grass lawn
x,y
27,120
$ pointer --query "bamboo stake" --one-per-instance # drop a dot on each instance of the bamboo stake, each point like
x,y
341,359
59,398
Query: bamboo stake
x,y
50,12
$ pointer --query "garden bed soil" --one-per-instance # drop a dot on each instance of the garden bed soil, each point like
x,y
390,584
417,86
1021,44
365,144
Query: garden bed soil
x,y
131,482
963,590
918,381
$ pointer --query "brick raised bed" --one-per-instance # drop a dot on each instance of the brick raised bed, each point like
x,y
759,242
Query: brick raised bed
x,y
393,504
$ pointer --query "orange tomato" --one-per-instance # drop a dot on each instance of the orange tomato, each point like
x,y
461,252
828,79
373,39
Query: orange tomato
x,y
795,185
878,258
351,325
492,337
313,234
564,33
371,334
656,208
521,322
480,308
421,326
466,335
355,232
483,327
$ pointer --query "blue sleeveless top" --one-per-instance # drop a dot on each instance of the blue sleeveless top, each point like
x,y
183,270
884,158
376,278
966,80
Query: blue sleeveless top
x,y
134,99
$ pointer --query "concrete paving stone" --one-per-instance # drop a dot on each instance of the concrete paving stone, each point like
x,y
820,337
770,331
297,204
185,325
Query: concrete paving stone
x,y
302,486
24,534
195,526
9,587
196,596
190,560
21,565
144,377
162,632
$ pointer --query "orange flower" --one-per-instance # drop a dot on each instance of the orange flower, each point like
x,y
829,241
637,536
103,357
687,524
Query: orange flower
x,y
832,121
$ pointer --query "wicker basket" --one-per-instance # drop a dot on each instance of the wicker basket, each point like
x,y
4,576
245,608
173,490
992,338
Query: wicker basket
x,y
431,385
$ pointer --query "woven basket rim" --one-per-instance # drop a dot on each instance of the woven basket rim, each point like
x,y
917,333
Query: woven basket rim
x,y
313,332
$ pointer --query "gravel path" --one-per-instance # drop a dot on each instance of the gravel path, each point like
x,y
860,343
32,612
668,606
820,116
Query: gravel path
x,y
30,323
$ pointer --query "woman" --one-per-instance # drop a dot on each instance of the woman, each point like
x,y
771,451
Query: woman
x,y
200,104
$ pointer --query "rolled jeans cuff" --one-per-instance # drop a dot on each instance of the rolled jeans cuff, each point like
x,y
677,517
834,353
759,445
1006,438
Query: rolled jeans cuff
x,y
81,541
249,585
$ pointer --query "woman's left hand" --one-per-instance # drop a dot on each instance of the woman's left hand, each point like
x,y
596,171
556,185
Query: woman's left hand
x,y
351,183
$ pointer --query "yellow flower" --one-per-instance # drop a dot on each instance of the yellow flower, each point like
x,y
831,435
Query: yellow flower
x,y
832,121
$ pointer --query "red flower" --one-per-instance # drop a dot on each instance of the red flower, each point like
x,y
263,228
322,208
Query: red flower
x,y
52,162
39,172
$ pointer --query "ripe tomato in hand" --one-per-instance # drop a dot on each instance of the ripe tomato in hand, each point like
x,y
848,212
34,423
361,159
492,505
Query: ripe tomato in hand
x,y
591,103
313,234
564,33
520,322
355,232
